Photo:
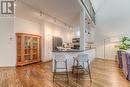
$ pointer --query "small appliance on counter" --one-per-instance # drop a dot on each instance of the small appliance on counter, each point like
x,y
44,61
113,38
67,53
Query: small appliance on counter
x,y
76,43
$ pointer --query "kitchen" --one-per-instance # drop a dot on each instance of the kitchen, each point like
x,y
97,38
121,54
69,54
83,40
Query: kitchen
x,y
64,54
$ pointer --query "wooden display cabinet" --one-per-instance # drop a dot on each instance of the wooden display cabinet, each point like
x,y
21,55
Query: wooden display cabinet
x,y
28,49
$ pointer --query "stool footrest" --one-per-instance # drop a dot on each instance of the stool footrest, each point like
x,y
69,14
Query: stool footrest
x,y
78,67
60,73
60,68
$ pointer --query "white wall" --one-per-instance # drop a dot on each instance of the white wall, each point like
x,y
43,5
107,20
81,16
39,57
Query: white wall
x,y
76,27
25,26
112,19
7,42
106,50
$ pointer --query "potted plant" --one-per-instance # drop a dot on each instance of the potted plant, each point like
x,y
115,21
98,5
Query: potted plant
x,y
124,44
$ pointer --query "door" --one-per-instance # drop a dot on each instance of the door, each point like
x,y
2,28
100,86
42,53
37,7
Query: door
x,y
19,50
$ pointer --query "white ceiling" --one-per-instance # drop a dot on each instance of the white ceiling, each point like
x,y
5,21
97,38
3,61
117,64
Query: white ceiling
x,y
112,17
65,10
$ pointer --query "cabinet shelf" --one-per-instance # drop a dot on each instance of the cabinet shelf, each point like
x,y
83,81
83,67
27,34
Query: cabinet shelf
x,y
28,48
34,53
27,54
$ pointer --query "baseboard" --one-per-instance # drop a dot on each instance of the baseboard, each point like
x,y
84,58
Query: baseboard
x,y
114,59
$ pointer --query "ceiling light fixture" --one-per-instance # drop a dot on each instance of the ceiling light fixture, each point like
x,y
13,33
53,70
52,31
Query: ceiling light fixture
x,y
42,13
55,19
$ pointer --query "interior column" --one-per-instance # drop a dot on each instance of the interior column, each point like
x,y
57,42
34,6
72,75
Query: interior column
x,y
82,29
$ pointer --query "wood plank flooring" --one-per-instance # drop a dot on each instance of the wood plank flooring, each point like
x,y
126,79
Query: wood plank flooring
x,y
104,74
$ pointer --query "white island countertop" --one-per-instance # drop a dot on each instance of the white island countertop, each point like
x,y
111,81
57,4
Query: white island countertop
x,y
73,53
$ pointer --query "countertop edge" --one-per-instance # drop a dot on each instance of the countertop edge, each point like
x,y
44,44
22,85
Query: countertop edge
x,y
75,50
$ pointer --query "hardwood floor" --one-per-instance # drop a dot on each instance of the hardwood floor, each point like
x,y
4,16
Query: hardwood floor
x,y
104,74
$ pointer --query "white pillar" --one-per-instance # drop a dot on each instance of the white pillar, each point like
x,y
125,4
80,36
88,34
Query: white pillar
x,y
42,41
82,29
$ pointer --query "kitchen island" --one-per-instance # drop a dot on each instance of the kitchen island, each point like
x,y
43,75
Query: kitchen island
x,y
70,54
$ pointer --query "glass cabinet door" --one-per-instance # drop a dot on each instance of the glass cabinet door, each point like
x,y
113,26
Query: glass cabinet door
x,y
35,48
27,48
19,39
39,48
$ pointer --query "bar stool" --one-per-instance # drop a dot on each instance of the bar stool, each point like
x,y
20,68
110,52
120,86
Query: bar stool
x,y
79,63
60,58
